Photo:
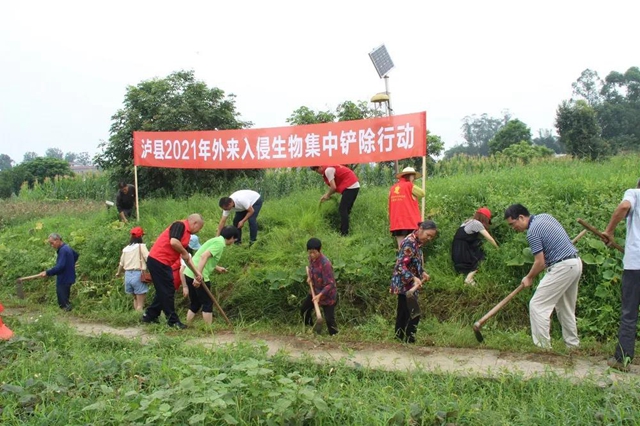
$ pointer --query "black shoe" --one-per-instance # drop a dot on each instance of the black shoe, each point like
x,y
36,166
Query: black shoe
x,y
238,243
618,365
178,325
67,308
148,320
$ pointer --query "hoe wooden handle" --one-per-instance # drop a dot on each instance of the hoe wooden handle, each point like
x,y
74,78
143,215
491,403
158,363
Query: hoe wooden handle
x,y
206,290
599,234
313,295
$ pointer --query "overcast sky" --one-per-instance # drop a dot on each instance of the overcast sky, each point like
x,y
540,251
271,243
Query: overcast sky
x,y
65,66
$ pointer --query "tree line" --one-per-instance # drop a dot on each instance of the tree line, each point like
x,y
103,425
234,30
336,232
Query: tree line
x,y
601,118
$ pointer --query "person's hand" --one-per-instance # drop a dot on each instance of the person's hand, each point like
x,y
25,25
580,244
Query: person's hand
x,y
425,277
185,291
317,298
42,274
117,274
240,224
526,281
221,270
324,198
607,238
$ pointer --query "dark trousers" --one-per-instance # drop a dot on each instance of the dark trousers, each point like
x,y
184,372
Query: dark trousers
x,y
346,204
308,313
63,291
163,301
253,222
405,326
198,298
628,314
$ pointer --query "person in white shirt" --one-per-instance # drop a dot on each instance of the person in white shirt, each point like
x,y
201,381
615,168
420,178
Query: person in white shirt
x,y
628,208
246,205
133,261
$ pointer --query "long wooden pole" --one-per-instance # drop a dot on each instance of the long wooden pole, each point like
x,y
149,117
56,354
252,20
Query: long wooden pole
x,y
135,181
424,182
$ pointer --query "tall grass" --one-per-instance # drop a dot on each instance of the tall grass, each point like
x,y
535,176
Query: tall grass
x,y
51,376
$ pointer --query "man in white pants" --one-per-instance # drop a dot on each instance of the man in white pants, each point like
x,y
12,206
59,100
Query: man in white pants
x,y
552,249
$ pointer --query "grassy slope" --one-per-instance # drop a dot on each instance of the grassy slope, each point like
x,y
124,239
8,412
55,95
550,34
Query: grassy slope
x,y
265,282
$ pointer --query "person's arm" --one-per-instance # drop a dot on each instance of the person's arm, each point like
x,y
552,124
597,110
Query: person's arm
x,y
618,214
223,220
120,265
64,256
329,281
183,281
536,268
250,212
332,183
489,238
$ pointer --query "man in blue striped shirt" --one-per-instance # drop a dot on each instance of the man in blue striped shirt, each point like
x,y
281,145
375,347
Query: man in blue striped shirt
x,y
552,249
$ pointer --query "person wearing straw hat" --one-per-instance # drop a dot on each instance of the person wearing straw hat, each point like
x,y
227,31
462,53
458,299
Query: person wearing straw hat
x,y
466,248
133,261
404,213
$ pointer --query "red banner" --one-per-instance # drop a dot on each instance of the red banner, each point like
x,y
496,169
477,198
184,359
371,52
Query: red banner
x,y
345,142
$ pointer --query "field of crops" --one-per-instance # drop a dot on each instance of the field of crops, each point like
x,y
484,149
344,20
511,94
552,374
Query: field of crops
x,y
52,374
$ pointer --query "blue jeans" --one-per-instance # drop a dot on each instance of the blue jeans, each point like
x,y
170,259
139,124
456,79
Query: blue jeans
x,y
253,222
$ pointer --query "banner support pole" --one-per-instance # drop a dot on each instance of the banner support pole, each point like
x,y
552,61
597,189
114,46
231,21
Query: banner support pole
x,y
135,181
424,182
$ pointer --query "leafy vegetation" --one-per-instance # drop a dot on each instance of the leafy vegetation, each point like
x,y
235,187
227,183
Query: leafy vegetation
x,y
51,376
266,281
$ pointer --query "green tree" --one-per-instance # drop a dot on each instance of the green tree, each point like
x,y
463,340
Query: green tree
x,y
347,111
305,115
54,153
177,102
477,131
70,157
42,168
5,162
547,139
525,151
28,156
588,87
514,132
83,158
579,130
619,113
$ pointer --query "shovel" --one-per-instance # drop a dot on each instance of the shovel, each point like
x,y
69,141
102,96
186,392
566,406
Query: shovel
x,y
599,234
20,288
477,326
317,328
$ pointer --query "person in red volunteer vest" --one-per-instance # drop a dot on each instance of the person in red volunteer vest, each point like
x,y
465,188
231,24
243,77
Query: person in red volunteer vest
x,y
342,180
404,213
169,248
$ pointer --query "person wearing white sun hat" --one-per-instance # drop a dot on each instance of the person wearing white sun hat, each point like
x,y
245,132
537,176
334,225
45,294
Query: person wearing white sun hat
x,y
404,213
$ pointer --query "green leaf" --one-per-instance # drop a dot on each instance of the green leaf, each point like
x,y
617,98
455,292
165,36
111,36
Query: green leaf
x,y
597,244
588,259
97,406
608,274
229,419
198,418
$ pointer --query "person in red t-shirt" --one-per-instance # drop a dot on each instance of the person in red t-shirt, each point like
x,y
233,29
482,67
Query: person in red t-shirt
x,y
342,180
169,248
404,213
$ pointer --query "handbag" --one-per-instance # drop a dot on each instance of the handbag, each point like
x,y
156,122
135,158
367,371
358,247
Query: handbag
x,y
145,276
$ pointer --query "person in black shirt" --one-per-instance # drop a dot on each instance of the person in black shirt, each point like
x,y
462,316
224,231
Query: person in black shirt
x,y
125,201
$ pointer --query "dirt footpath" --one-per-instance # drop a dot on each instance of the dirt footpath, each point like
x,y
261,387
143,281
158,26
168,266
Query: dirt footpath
x,y
466,362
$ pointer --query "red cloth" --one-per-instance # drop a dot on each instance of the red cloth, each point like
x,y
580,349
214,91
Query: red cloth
x,y
175,268
404,212
162,250
344,178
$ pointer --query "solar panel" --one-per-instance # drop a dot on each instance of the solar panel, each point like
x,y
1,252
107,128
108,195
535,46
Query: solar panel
x,y
381,60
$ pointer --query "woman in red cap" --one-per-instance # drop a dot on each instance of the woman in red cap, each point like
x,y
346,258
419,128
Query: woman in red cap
x,y
133,261
466,250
